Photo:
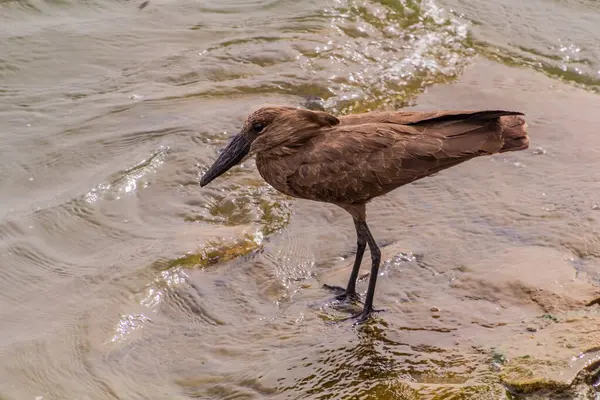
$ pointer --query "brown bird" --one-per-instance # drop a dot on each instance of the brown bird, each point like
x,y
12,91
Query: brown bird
x,y
349,160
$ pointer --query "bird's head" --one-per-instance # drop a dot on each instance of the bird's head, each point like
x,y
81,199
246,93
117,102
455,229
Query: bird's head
x,y
265,129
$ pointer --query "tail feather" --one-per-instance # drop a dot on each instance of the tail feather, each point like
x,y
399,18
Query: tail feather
x,y
479,132
514,133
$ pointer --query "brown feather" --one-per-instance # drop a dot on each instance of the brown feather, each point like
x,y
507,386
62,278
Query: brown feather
x,y
351,159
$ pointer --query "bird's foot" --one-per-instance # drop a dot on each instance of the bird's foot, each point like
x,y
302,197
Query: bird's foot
x,y
342,294
363,316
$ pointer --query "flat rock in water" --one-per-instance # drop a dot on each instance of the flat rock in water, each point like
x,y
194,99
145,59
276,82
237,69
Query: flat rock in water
x,y
492,307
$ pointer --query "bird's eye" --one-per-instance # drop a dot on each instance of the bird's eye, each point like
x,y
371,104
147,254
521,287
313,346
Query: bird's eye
x,y
258,127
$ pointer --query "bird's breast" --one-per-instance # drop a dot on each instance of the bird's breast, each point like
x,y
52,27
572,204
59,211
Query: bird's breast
x,y
275,171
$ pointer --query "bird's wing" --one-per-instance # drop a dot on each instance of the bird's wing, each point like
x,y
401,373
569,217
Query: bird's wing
x,y
354,163
347,164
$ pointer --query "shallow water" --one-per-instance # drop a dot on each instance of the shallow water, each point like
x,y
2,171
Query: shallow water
x,y
121,278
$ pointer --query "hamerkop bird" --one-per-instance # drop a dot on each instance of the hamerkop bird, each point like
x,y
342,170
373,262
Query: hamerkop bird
x,y
349,160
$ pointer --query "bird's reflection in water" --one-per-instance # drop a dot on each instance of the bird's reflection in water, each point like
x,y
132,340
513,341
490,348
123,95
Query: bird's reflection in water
x,y
370,367
375,366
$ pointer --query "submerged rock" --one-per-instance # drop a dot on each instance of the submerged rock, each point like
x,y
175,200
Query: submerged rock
x,y
520,321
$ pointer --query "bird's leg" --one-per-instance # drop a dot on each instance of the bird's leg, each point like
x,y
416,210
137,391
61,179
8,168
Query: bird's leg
x,y
363,230
350,290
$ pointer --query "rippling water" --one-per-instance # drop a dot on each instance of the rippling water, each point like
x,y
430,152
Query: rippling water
x,y
121,278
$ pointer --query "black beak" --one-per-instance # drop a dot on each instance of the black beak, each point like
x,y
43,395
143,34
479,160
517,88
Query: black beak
x,y
233,153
